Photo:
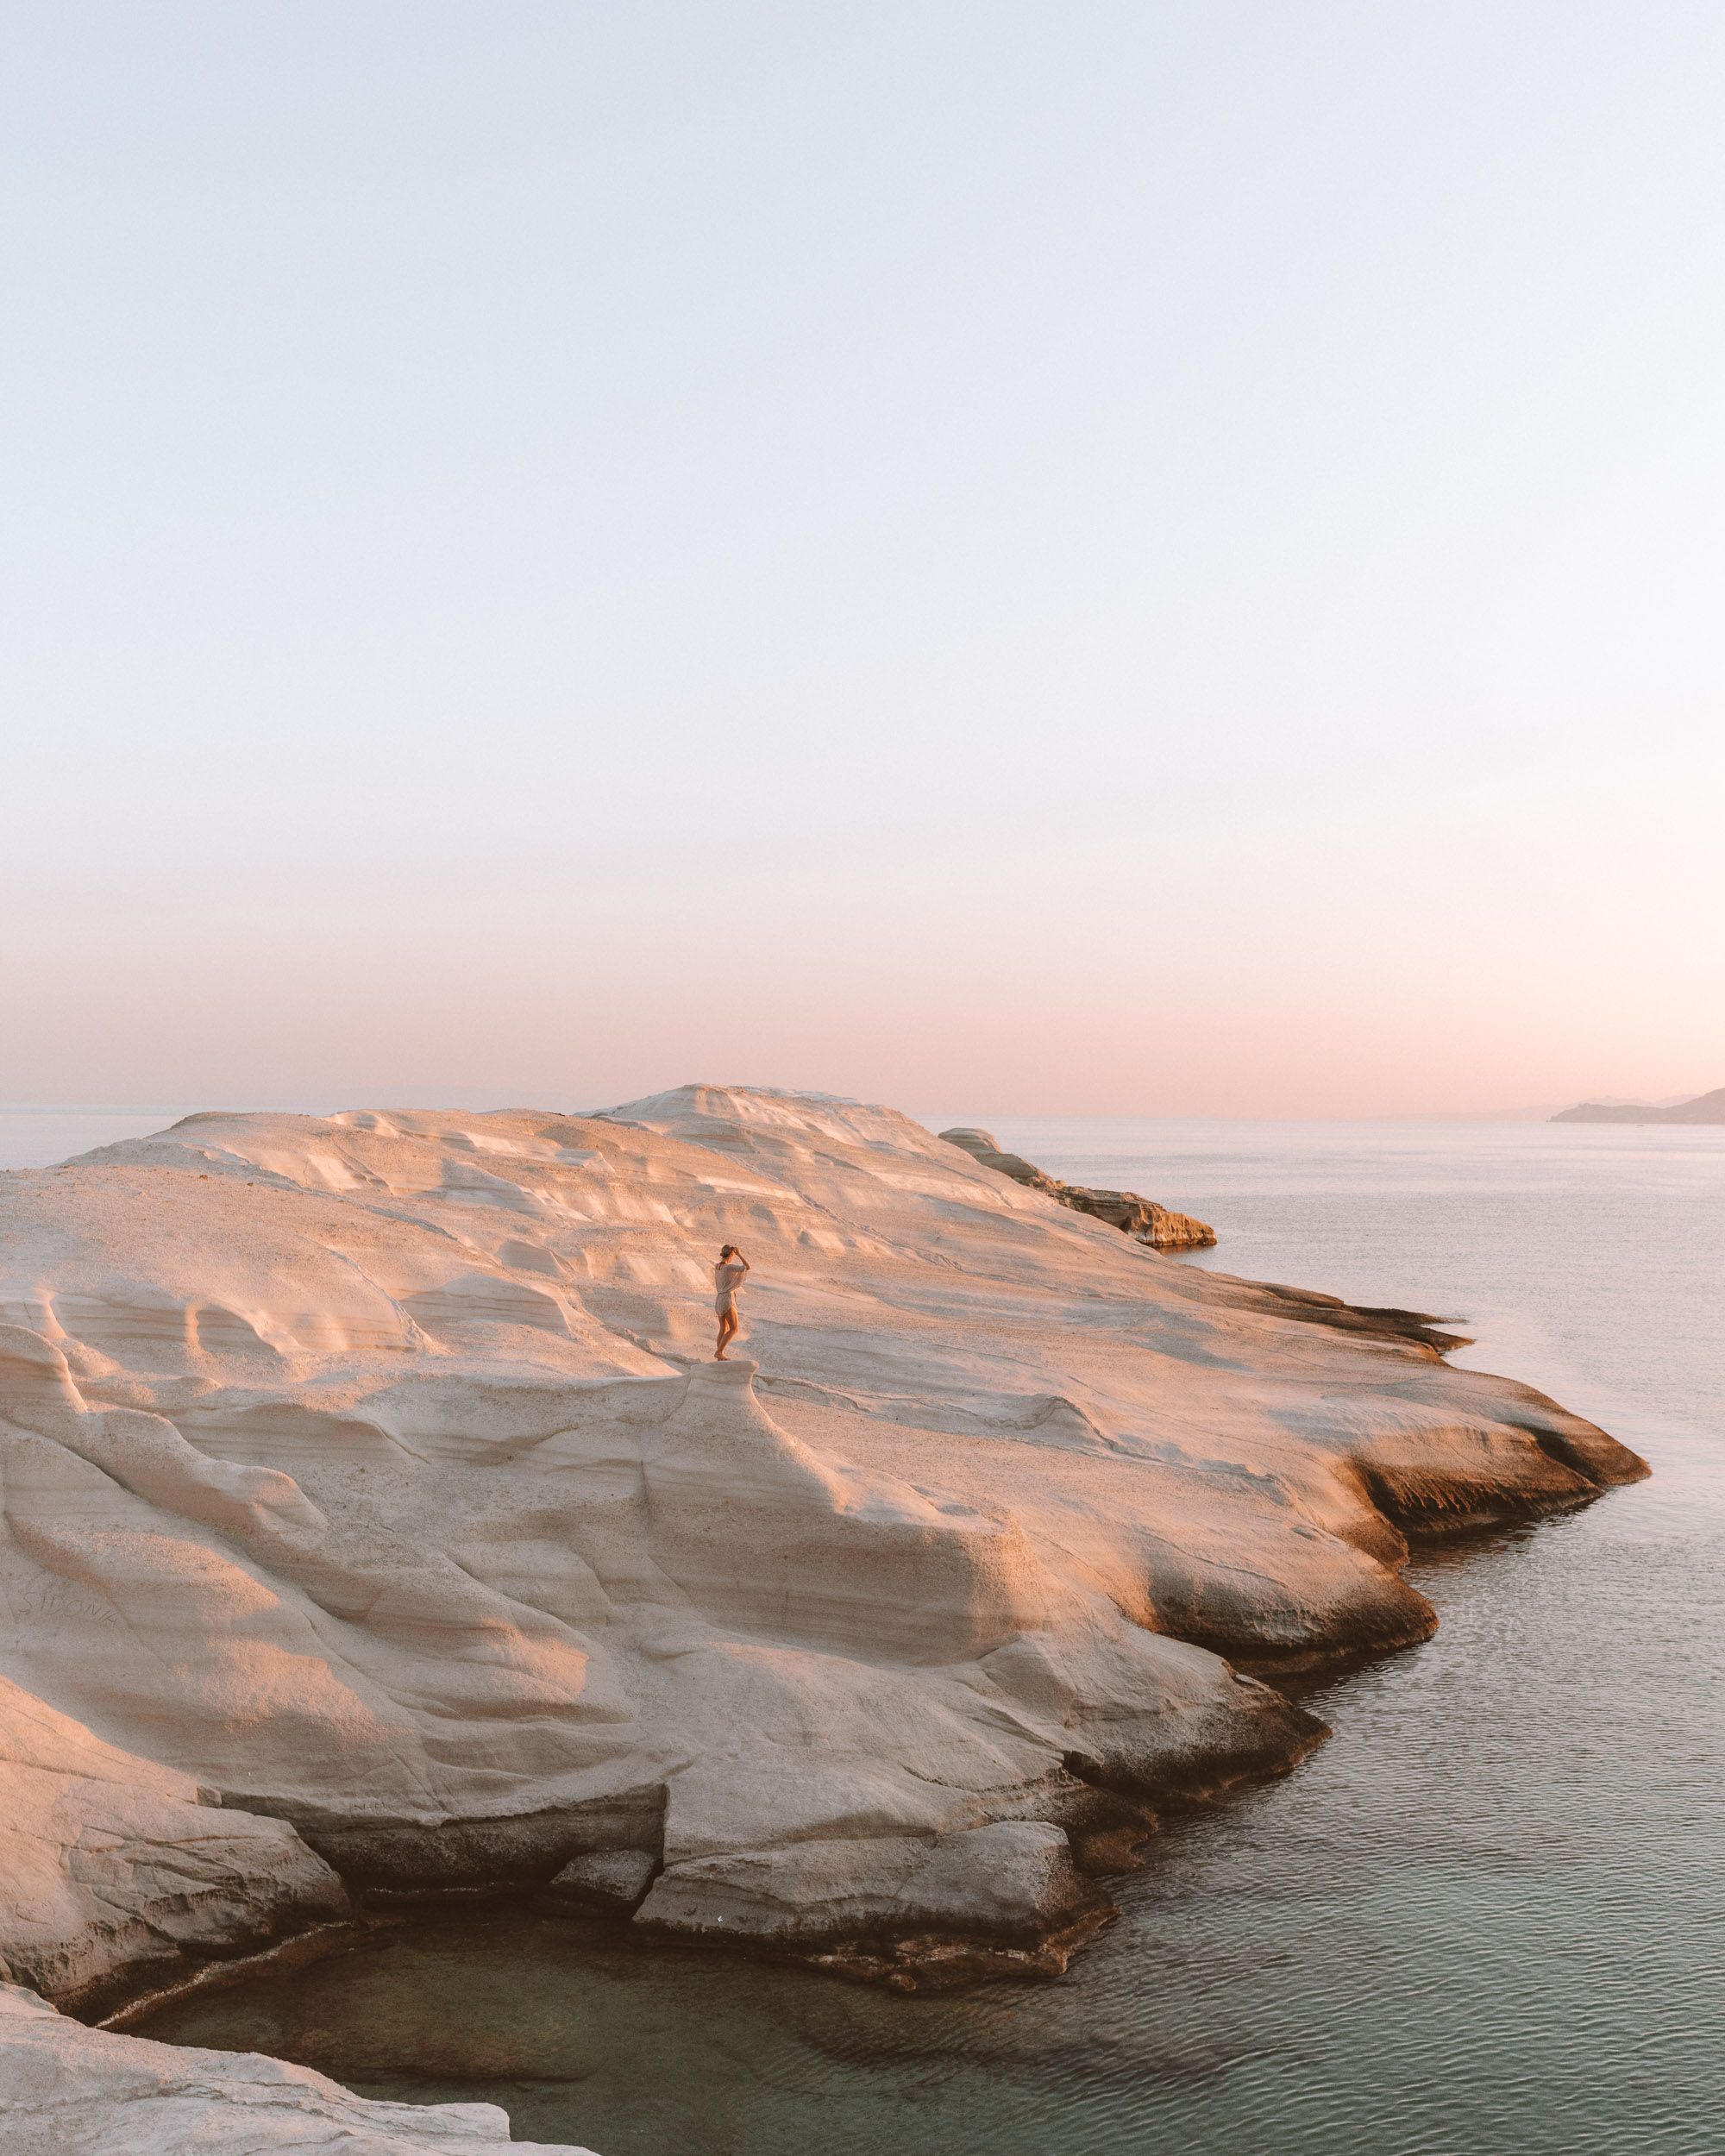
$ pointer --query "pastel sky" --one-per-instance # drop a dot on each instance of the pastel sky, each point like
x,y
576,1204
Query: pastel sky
x,y
1136,558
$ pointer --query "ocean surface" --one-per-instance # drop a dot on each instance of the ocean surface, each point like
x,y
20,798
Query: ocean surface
x,y
37,1137
1487,1919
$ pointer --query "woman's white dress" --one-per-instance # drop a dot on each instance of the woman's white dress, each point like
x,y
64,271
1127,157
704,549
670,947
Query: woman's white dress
x,y
727,1278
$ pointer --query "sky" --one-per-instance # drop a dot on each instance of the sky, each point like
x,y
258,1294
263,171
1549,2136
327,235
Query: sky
x,y
1061,558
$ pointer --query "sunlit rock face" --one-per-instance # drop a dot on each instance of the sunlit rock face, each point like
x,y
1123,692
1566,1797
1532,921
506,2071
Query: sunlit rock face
x,y
374,1516
113,1868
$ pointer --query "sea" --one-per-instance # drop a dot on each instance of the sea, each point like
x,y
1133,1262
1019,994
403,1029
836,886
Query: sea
x,y
1486,1919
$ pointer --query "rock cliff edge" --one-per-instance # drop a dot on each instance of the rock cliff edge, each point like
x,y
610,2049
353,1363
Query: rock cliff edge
x,y
1140,1218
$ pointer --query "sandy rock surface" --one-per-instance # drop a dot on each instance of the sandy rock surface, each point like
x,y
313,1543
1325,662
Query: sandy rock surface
x,y
67,2091
373,1516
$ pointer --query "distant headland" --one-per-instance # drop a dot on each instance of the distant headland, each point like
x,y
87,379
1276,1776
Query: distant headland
x,y
1708,1107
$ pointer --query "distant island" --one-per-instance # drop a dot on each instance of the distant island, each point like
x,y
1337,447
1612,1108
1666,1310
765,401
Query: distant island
x,y
1709,1108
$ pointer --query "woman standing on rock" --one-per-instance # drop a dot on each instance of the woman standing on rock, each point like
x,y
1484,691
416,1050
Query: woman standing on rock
x,y
727,1278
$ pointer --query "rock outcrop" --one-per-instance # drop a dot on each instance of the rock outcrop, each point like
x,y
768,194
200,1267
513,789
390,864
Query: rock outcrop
x,y
1140,1218
373,1518
1707,1108
115,1871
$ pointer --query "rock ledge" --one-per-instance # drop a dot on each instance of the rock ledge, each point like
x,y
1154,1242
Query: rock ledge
x,y
1140,1218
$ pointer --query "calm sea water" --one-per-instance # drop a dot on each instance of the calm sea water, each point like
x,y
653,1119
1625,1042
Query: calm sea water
x,y
37,1137
1488,1919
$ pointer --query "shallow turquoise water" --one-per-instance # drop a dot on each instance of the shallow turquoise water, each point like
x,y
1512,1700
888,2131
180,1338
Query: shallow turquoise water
x,y
1488,1919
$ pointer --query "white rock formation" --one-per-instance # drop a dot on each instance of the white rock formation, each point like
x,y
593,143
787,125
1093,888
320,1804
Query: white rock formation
x,y
373,1515
113,1867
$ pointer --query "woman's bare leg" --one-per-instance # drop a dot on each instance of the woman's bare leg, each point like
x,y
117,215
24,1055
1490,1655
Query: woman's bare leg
x,y
727,1333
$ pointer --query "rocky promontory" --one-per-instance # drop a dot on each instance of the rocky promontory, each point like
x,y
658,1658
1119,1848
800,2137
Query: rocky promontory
x,y
1140,1218
375,1522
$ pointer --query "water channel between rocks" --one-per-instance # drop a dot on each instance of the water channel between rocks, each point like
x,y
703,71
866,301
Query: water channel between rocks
x,y
1485,1919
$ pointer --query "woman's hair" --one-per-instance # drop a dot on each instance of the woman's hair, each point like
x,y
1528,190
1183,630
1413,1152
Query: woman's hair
x,y
730,1250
